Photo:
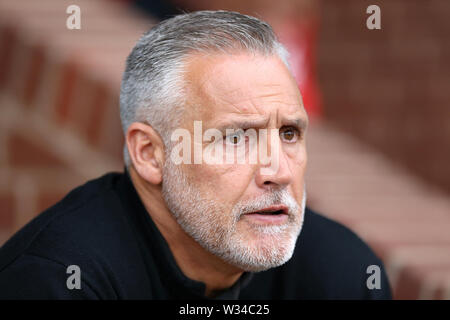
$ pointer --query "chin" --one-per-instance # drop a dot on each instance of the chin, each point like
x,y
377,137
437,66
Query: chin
x,y
263,253
266,265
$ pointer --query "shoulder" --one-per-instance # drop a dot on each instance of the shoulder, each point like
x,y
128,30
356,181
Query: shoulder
x,y
35,277
335,259
59,224
88,228
331,239
329,262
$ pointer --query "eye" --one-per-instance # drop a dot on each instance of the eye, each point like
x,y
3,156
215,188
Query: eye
x,y
235,138
289,134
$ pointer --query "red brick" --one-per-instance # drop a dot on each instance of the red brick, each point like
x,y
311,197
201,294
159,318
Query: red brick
x,y
23,152
7,210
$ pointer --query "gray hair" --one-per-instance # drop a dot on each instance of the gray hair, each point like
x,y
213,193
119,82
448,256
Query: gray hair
x,y
152,88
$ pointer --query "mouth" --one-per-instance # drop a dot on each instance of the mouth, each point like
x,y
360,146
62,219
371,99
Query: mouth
x,y
271,215
273,210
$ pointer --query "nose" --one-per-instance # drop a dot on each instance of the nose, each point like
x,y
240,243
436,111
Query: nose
x,y
277,176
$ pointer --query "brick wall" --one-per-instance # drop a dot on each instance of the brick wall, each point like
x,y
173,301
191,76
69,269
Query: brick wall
x,y
390,87
59,90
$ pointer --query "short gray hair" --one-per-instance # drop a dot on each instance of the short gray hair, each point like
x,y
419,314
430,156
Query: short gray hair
x,y
152,89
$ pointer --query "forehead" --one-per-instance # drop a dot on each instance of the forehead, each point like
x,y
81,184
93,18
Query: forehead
x,y
221,85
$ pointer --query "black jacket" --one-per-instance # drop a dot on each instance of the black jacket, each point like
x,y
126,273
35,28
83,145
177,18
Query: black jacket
x,y
103,228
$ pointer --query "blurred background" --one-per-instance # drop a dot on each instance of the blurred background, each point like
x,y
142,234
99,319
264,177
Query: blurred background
x,y
378,100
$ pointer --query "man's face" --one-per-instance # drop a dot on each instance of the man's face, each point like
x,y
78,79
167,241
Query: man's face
x,y
247,218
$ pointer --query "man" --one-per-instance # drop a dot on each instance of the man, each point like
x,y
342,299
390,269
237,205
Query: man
x,y
197,228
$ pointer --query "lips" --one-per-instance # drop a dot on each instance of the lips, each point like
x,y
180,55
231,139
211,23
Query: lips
x,y
271,211
271,215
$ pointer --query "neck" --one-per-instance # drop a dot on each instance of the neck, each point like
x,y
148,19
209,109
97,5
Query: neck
x,y
193,260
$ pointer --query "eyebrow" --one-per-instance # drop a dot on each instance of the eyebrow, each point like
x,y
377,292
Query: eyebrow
x,y
299,123
242,124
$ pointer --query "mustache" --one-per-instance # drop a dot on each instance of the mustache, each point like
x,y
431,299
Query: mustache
x,y
278,197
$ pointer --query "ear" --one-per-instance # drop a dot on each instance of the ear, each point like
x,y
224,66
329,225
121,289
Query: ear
x,y
146,150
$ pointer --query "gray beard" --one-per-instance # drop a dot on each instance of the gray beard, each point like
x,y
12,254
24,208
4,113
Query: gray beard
x,y
209,223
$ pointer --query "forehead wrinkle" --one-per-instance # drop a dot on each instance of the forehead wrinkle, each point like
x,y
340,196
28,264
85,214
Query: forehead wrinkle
x,y
258,109
240,123
272,98
222,94
236,107
276,96
238,96
228,96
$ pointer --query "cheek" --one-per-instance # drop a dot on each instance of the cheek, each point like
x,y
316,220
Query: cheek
x,y
224,182
300,161
297,157
298,166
